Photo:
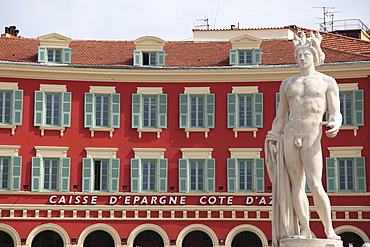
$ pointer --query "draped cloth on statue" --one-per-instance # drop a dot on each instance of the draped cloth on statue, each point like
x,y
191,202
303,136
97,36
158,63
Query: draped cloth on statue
x,y
284,220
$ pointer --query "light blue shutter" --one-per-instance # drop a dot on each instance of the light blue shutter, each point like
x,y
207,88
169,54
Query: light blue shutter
x,y
358,107
17,107
115,106
36,173
16,172
260,181
231,110
277,100
89,110
183,175
137,58
66,55
162,176
360,174
42,54
210,110
160,58
331,180
258,110
231,174
257,56
114,174
210,174
233,59
136,121
39,108
65,174
162,111
86,174
184,111
66,109
135,175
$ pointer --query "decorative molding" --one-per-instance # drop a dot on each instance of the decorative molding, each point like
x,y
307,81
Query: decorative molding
x,y
7,126
141,130
48,227
101,153
53,88
197,90
348,86
354,229
245,42
205,130
345,152
93,129
54,40
149,90
99,227
354,128
245,153
245,90
149,153
51,152
246,227
9,150
196,153
8,85
236,130
148,227
149,43
43,128
103,89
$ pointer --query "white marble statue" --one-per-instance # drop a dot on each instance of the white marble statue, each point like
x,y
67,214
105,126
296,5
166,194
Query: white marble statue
x,y
293,148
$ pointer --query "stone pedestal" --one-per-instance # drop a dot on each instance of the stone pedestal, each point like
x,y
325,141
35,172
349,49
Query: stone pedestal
x,y
312,242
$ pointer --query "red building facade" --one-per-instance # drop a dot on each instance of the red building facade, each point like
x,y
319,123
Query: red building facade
x,y
155,143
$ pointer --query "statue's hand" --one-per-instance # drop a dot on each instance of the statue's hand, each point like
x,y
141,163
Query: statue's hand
x,y
334,129
273,151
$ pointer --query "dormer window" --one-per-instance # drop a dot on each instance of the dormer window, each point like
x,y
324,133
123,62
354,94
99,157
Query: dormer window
x,y
245,50
149,51
54,48
54,55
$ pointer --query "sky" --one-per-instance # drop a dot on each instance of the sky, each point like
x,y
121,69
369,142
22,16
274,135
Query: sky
x,y
171,20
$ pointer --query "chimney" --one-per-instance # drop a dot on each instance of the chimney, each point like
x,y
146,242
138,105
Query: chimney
x,y
10,32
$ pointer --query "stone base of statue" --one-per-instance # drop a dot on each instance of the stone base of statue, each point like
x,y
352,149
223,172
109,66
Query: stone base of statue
x,y
311,242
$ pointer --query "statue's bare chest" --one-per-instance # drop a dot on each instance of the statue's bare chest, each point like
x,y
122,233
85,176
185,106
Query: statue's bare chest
x,y
303,87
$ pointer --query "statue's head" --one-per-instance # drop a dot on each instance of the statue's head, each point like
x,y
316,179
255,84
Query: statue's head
x,y
312,43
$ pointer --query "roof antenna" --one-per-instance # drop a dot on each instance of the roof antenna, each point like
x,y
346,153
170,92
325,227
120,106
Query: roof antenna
x,y
326,14
214,25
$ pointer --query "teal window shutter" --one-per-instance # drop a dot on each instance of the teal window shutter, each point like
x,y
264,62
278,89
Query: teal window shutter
x,y
277,100
162,111
358,99
115,106
135,175
233,59
360,174
260,172
36,173
114,174
162,175
161,58
137,58
39,108
210,110
86,174
231,110
66,109
66,55
42,54
183,175
258,110
231,174
17,107
16,172
89,110
210,174
257,56
331,180
136,100
184,108
65,174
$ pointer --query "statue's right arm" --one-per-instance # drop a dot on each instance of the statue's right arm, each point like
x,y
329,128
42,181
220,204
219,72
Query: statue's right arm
x,y
279,122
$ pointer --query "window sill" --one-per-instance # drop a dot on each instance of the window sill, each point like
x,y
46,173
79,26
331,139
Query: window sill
x,y
354,128
61,129
6,126
110,130
236,130
141,130
205,130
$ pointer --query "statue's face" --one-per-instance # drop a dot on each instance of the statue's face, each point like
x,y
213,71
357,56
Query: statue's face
x,y
305,58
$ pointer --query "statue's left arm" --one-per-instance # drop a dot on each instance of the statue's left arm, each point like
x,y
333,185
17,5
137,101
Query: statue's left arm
x,y
333,103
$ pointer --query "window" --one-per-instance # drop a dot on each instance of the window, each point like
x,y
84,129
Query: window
x,y
345,170
50,55
245,57
149,110
351,107
245,109
11,101
245,170
102,109
196,170
197,110
10,172
100,170
50,169
52,108
142,58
